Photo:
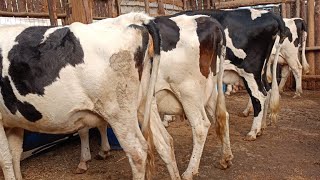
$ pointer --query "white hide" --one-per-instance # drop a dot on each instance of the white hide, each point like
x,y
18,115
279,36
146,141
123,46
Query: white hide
x,y
257,13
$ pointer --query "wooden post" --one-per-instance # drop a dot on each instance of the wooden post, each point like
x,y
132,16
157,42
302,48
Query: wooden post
x,y
317,41
193,4
283,10
288,10
81,11
118,7
311,40
213,2
184,5
67,6
53,12
146,6
110,8
161,10
297,8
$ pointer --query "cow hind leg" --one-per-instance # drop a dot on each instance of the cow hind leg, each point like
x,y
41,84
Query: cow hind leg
x,y
85,151
163,143
132,141
285,71
258,102
5,156
105,146
248,109
15,140
200,124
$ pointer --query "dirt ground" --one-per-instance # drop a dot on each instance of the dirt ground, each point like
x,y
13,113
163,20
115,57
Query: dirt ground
x,y
289,151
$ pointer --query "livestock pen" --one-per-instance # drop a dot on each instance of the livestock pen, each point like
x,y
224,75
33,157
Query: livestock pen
x,y
289,150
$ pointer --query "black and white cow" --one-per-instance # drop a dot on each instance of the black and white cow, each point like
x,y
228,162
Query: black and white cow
x,y
289,54
62,79
289,58
250,37
186,85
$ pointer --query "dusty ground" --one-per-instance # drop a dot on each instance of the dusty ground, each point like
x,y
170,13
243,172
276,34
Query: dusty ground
x,y
289,151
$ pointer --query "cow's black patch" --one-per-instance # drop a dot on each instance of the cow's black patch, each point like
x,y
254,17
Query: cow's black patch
x,y
255,102
35,65
301,28
14,105
289,34
140,52
169,33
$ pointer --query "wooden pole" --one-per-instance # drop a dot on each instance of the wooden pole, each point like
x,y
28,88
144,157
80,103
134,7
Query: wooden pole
x,y
302,10
193,4
184,5
118,7
52,7
146,6
283,10
161,10
317,40
311,40
81,11
297,8
288,10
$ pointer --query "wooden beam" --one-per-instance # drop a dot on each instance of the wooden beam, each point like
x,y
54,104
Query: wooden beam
x,y
311,78
241,3
53,12
302,9
29,14
288,10
80,11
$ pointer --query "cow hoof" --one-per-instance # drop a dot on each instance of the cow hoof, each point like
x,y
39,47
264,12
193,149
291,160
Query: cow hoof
x,y
250,137
102,155
81,170
187,176
259,133
243,114
297,96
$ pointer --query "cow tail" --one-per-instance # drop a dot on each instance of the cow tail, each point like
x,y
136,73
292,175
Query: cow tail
x,y
154,52
275,96
304,33
221,110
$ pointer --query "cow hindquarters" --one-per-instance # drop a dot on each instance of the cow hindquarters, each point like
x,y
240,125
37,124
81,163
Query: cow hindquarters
x,y
5,156
15,140
132,141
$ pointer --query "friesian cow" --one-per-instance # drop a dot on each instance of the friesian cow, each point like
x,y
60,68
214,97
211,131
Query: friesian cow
x,y
289,58
186,85
289,54
250,36
62,79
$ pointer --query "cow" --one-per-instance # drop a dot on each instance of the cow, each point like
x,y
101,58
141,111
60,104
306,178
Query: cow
x,y
289,58
250,36
289,54
61,79
186,85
